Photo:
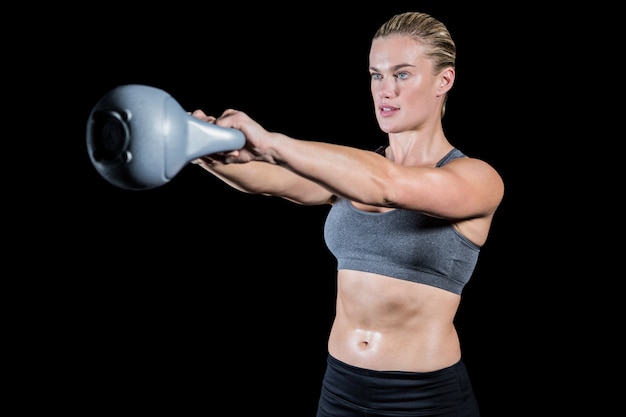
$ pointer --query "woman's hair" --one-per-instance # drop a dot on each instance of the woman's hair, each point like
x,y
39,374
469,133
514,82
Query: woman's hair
x,y
428,31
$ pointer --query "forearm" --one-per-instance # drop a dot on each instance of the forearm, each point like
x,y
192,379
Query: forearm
x,y
257,177
252,177
352,173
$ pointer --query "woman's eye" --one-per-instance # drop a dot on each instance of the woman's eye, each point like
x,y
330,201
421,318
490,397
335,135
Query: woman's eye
x,y
402,75
375,76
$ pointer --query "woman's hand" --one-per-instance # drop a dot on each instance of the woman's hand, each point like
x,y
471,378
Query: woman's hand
x,y
256,137
207,161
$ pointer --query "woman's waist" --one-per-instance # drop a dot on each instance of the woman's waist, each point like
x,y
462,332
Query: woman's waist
x,y
401,348
382,323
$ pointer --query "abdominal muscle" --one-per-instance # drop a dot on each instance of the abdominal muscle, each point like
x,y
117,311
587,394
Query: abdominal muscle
x,y
389,324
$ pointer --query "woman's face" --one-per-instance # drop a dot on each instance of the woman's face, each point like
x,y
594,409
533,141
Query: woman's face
x,y
404,89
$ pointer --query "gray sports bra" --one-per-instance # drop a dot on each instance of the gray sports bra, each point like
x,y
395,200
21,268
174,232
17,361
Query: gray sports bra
x,y
400,243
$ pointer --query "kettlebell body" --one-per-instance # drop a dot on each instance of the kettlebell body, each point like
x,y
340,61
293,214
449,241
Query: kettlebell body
x,y
139,137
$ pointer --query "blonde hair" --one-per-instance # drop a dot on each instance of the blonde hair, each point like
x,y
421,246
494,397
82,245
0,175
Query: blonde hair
x,y
432,33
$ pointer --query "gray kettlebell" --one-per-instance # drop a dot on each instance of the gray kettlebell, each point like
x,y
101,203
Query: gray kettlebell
x,y
139,137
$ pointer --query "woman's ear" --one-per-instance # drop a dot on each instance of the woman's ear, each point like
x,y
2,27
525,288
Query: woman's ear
x,y
446,80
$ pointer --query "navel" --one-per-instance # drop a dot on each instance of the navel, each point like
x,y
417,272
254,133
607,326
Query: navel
x,y
366,339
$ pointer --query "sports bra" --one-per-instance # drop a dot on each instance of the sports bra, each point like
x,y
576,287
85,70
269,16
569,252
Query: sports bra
x,y
403,244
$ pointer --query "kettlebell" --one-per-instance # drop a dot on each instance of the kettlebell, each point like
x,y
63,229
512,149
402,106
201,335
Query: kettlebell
x,y
139,137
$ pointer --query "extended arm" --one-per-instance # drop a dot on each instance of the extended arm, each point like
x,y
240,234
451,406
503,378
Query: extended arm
x,y
311,172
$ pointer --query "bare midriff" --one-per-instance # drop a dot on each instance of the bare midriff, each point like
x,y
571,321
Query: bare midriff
x,y
389,324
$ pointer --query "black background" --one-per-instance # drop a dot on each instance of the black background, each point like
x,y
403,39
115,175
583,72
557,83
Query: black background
x,y
193,296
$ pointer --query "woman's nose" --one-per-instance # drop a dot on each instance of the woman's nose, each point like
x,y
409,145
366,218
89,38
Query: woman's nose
x,y
385,89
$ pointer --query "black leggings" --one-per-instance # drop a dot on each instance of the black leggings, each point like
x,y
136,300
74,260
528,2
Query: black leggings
x,y
348,391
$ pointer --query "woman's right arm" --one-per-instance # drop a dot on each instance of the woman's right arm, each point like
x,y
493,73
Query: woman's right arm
x,y
257,177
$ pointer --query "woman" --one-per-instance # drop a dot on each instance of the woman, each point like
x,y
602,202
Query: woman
x,y
406,225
